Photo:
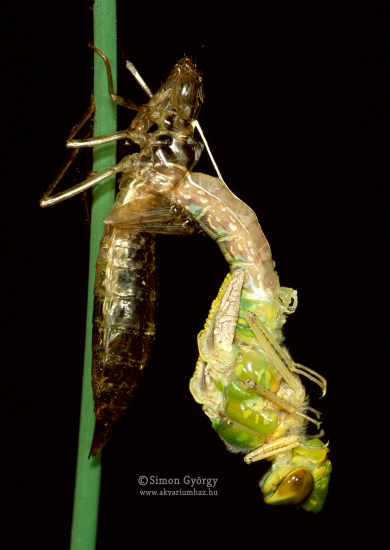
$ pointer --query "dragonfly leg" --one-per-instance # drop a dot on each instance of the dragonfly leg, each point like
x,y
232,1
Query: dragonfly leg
x,y
135,137
86,184
127,103
87,116
279,401
274,448
313,376
324,446
317,413
281,360
77,127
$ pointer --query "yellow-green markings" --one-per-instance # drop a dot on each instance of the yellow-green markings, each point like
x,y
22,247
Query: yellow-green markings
x,y
254,366
244,406
317,498
237,435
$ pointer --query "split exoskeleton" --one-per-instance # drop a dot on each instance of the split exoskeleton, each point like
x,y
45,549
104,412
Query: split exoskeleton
x,y
246,381
125,303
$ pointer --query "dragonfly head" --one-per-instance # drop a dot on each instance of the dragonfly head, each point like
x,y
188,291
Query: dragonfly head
x,y
302,479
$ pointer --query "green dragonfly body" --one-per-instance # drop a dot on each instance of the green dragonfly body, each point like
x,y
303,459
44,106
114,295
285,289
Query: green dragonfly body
x,y
245,419
245,379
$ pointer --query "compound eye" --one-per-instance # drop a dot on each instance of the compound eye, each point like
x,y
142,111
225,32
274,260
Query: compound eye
x,y
294,488
185,96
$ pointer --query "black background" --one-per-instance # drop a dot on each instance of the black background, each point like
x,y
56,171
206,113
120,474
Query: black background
x,y
285,101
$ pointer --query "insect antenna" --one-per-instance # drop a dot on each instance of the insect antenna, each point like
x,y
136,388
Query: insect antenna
x,y
200,49
131,68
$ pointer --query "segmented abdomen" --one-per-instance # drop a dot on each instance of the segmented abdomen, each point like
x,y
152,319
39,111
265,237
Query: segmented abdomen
x,y
124,323
222,370
234,227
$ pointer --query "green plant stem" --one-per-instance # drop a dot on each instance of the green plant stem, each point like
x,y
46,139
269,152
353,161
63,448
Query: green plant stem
x,y
87,488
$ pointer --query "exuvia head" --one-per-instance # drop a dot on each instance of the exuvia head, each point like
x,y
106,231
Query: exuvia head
x,y
187,91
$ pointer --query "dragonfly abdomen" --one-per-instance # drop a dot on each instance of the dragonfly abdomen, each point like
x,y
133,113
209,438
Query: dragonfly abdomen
x,y
235,228
124,324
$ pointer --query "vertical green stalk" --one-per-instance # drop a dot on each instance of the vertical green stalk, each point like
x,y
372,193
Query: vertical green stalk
x,y
86,498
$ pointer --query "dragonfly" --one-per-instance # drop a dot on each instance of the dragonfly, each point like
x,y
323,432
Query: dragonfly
x,y
245,379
